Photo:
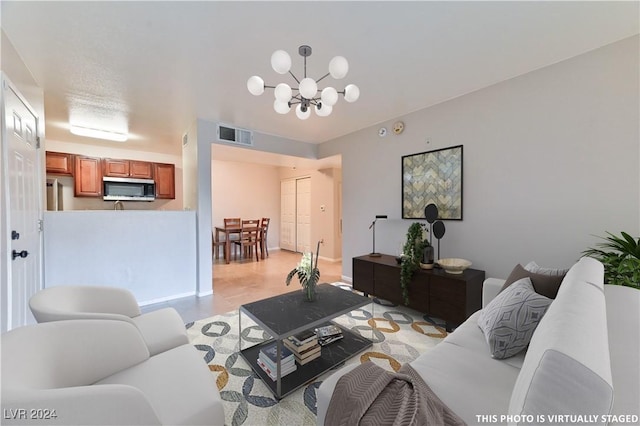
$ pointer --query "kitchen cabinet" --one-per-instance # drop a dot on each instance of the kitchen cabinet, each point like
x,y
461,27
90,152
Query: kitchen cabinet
x,y
165,177
112,167
451,297
59,163
87,176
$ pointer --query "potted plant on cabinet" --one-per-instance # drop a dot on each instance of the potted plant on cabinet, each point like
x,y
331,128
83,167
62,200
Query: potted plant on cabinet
x,y
621,259
413,254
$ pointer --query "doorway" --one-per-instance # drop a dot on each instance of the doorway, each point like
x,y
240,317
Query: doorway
x,y
22,204
295,214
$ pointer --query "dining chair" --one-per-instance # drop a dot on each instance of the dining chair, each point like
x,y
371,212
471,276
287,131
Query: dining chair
x,y
233,222
249,238
218,244
264,224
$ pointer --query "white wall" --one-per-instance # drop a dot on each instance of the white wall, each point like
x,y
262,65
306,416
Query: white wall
x,y
248,191
151,253
550,160
70,202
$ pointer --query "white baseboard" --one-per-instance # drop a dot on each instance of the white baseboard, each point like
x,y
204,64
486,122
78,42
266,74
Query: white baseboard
x,y
205,293
167,298
346,279
329,259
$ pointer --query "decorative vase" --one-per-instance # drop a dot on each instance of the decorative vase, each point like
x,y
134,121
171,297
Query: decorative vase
x,y
427,255
427,258
309,291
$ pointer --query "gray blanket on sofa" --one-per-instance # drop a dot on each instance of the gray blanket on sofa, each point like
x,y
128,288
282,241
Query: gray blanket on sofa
x,y
368,395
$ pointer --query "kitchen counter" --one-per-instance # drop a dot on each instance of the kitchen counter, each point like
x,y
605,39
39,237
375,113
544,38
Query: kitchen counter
x,y
150,252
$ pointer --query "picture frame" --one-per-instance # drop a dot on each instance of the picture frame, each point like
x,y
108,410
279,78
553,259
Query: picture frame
x,y
433,177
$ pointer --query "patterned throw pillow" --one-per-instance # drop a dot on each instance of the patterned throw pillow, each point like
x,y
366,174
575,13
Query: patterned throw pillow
x,y
508,322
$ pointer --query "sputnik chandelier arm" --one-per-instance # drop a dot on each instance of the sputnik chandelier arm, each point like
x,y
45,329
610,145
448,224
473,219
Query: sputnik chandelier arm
x,y
306,94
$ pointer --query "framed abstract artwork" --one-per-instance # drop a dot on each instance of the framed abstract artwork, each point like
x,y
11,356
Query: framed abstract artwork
x,y
433,177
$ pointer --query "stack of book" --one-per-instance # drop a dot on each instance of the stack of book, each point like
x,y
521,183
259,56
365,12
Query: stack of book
x,y
304,346
267,360
328,334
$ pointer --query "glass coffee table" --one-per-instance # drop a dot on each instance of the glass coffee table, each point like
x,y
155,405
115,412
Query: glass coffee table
x,y
287,314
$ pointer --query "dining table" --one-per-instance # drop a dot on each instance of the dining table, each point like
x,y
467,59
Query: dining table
x,y
228,231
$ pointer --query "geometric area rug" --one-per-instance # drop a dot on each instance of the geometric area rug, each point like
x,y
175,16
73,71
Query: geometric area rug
x,y
399,336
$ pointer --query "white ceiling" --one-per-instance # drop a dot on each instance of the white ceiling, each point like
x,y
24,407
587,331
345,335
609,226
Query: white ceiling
x,y
153,67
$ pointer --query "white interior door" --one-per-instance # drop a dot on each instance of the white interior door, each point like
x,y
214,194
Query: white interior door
x,y
303,215
288,214
22,202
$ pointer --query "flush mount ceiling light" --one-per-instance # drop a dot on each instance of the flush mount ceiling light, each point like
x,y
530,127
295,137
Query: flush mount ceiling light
x,y
306,94
99,134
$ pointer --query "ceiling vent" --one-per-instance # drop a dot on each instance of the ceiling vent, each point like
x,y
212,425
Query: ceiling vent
x,y
233,135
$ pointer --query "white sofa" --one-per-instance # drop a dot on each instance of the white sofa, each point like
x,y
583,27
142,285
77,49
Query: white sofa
x,y
582,360
100,372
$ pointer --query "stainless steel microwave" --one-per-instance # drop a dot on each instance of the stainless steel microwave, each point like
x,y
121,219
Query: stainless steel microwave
x,y
128,189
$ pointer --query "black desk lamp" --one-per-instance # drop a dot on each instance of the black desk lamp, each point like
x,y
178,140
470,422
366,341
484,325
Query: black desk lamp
x,y
373,225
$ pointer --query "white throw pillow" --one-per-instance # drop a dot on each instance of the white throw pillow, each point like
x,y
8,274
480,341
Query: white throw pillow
x,y
509,320
536,269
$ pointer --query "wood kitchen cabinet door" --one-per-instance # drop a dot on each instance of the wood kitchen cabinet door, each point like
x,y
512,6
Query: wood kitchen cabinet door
x,y
59,163
165,177
87,177
140,169
115,168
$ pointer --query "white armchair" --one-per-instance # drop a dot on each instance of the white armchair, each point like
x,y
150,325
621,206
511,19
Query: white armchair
x,y
90,372
162,329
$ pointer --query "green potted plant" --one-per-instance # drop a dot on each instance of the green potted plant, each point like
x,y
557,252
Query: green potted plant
x,y
413,254
308,274
620,257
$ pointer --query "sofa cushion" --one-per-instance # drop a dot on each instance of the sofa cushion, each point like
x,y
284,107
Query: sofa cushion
x,y
623,317
547,285
194,400
469,335
566,369
469,382
162,330
508,322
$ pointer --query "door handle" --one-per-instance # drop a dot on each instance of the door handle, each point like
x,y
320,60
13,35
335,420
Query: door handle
x,y
21,254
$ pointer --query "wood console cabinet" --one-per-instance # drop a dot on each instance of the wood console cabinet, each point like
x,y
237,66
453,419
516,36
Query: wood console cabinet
x,y
450,297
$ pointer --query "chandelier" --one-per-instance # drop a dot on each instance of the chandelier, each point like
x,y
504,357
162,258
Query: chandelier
x,y
305,96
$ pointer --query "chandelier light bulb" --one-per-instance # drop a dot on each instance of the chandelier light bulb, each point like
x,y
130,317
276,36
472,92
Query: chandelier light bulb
x,y
323,110
338,67
351,93
281,62
302,115
281,107
283,92
255,85
329,96
308,88
308,94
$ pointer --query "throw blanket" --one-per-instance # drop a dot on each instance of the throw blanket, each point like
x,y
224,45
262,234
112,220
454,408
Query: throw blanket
x,y
371,395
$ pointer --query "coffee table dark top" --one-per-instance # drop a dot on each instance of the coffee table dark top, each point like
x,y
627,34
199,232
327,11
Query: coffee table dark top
x,y
290,313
